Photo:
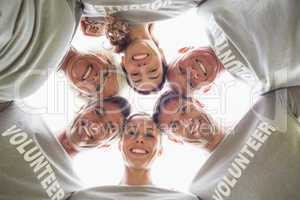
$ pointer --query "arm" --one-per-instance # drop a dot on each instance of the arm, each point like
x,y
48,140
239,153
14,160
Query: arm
x,y
294,100
66,144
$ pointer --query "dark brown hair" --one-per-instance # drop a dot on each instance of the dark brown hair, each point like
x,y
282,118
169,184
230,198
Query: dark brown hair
x,y
117,32
163,100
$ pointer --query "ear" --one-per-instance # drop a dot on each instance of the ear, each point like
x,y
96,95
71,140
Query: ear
x,y
119,145
198,103
185,49
123,61
163,57
105,146
174,139
160,151
82,24
207,88
72,52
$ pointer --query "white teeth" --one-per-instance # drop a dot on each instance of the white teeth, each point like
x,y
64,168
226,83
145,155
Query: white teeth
x,y
139,151
140,56
87,73
203,69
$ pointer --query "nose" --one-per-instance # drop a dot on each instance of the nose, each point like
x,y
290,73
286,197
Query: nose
x,y
141,64
139,139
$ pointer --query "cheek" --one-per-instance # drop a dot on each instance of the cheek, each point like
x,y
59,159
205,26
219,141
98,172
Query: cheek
x,y
111,86
70,75
177,81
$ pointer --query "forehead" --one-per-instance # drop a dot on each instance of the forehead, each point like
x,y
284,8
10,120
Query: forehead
x,y
85,58
174,104
141,121
170,109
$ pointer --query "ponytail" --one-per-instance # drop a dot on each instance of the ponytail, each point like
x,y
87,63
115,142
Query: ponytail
x,y
117,32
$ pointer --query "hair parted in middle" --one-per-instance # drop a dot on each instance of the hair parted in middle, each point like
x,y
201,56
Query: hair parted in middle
x,y
163,100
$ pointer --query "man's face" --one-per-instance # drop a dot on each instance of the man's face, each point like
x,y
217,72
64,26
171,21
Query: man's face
x,y
187,121
92,26
143,64
92,75
96,126
195,69
140,143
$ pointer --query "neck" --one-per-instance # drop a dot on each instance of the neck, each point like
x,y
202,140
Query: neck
x,y
67,145
140,31
217,138
136,177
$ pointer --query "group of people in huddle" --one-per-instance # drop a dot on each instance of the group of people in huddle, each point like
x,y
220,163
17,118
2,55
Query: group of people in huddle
x,y
255,41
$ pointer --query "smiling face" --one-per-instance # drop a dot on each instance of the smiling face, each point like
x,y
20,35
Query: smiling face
x,y
187,121
92,75
140,143
195,69
96,126
143,65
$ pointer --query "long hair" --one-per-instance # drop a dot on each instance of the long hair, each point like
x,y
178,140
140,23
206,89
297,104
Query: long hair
x,y
117,32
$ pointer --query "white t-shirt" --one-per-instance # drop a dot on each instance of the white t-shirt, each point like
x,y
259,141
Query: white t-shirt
x,y
260,158
257,41
33,166
137,11
34,37
131,193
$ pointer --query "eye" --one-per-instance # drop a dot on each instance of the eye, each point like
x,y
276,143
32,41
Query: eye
x,y
131,133
149,135
99,112
184,109
82,123
174,125
106,73
197,60
109,126
181,70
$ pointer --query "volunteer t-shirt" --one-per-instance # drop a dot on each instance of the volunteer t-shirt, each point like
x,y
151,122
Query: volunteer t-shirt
x,y
259,159
33,166
257,41
131,193
137,11
34,37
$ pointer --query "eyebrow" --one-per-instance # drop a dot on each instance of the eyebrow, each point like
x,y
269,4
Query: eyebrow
x,y
149,129
131,126
100,111
154,77
135,74
153,70
137,81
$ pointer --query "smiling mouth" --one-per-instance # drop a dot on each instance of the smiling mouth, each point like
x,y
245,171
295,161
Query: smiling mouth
x,y
139,151
202,68
140,56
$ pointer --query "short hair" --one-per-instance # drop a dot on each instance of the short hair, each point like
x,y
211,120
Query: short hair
x,y
163,100
138,114
156,89
121,102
